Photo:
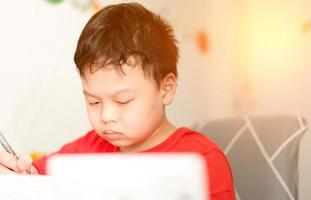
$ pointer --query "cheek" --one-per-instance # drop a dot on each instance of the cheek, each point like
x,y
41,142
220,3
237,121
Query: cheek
x,y
93,117
143,114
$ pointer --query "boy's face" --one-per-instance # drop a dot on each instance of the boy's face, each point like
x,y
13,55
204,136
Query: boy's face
x,y
128,110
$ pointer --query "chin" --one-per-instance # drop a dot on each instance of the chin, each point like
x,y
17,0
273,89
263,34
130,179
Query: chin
x,y
118,143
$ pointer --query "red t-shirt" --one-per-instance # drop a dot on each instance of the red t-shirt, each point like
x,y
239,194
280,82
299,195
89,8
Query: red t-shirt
x,y
183,140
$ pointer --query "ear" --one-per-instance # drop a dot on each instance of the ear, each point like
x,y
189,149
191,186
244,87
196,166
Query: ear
x,y
168,88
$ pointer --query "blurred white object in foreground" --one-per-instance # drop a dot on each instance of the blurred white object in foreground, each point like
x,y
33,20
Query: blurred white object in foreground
x,y
113,177
132,176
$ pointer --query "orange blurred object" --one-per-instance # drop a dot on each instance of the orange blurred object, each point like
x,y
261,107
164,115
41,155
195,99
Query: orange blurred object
x,y
35,155
202,41
96,6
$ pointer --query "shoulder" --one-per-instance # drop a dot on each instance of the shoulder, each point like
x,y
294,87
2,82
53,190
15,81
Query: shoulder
x,y
203,145
219,172
196,141
88,143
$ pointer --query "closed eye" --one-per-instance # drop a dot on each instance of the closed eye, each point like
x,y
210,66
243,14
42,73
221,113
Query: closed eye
x,y
124,102
94,103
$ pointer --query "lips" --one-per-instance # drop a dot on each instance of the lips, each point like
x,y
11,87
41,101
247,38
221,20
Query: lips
x,y
112,135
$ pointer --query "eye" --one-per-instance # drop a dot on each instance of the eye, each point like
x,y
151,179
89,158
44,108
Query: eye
x,y
93,103
124,102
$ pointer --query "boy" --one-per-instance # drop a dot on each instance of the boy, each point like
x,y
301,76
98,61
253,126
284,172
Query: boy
x,y
127,57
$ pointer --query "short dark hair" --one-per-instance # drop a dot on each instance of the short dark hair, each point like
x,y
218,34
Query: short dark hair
x,y
128,29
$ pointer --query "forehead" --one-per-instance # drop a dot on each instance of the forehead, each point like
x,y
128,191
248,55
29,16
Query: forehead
x,y
111,72
109,79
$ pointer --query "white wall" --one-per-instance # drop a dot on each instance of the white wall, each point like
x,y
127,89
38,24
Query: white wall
x,y
40,104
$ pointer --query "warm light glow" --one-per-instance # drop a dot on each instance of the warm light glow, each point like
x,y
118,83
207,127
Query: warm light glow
x,y
270,51
273,39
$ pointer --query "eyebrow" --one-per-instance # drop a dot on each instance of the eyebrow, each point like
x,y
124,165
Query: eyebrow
x,y
89,94
123,90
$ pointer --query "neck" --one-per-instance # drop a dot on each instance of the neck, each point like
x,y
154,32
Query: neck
x,y
165,130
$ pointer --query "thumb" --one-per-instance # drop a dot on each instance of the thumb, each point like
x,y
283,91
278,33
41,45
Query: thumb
x,y
24,163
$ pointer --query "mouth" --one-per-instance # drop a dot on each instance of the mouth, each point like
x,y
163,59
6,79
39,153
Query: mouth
x,y
112,135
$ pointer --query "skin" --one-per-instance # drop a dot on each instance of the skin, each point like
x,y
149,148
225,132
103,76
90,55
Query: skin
x,y
128,110
9,165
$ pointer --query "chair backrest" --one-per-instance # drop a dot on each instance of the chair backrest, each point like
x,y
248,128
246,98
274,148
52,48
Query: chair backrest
x,y
263,154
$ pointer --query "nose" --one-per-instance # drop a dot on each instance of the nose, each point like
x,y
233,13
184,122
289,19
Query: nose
x,y
108,114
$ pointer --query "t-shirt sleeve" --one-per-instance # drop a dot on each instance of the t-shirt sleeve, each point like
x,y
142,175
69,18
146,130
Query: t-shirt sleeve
x,y
219,176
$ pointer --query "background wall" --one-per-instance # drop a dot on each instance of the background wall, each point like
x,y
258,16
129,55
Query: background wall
x,y
277,54
256,61
40,95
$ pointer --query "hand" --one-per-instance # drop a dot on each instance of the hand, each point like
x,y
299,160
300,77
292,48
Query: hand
x,y
9,164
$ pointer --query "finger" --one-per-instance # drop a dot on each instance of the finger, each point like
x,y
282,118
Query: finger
x,y
31,171
8,161
34,171
5,170
24,163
